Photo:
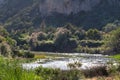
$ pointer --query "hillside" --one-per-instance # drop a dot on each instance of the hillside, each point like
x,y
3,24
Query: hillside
x,y
19,14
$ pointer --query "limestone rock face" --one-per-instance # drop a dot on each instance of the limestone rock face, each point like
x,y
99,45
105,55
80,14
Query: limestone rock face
x,y
47,7
84,13
1,2
70,6
66,6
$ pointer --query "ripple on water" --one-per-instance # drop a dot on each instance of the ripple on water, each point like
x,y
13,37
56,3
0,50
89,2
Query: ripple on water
x,y
87,61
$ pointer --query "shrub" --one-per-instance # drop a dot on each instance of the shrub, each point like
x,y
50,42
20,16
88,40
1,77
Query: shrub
x,y
80,34
11,70
63,42
109,27
42,36
91,43
75,65
56,74
47,73
113,41
93,34
113,68
5,49
45,46
23,54
95,71
28,55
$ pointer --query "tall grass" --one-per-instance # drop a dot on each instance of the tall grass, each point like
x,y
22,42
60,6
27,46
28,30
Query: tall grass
x,y
11,70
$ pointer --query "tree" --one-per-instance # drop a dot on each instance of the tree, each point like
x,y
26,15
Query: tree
x,y
42,36
70,27
113,41
28,55
93,34
80,34
2,39
61,36
62,40
5,49
109,27
3,32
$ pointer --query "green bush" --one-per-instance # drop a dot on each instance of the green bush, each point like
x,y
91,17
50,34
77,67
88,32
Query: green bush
x,y
113,41
95,71
56,74
11,70
28,55
24,54
91,43
45,46
113,68
93,34
42,36
80,34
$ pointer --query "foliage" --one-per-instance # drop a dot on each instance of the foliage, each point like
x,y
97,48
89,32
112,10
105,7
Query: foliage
x,y
75,65
42,36
5,50
114,41
91,43
11,70
116,56
95,71
45,46
23,54
80,34
70,27
2,39
56,74
3,31
28,55
62,40
93,34
27,15
109,27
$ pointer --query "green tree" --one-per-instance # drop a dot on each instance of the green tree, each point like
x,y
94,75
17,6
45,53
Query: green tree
x,y
113,41
93,34
63,42
2,39
70,27
5,49
109,27
42,36
3,32
80,34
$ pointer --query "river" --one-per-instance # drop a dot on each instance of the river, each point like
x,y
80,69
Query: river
x,y
61,62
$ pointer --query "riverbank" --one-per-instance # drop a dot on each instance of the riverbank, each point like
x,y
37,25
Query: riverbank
x,y
8,67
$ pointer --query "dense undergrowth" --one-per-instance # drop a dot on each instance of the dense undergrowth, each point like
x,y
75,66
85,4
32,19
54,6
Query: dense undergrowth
x,y
10,69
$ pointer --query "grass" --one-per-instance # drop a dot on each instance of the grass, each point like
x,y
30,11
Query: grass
x,y
116,56
44,55
11,70
40,56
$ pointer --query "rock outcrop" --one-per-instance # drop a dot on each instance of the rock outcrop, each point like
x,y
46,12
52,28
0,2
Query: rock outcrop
x,y
47,7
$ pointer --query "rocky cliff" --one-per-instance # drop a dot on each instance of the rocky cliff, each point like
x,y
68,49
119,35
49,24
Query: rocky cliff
x,y
71,6
86,13
66,6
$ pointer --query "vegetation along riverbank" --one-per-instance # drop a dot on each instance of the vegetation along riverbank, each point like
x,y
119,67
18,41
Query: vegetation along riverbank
x,y
59,39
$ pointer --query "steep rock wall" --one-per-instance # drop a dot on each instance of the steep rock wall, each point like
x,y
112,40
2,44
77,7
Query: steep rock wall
x,y
47,7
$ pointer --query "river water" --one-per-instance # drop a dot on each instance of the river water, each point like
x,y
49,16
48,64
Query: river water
x,y
87,61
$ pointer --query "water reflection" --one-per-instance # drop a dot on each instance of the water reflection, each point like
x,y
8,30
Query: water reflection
x,y
87,61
